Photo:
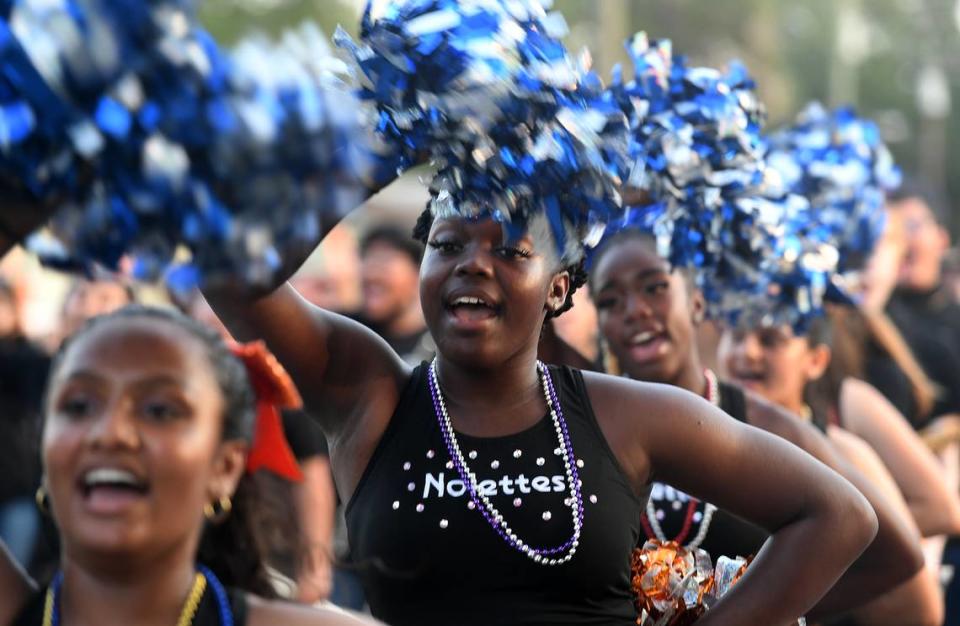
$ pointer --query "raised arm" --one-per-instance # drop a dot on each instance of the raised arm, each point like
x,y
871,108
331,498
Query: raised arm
x,y
350,379
895,554
870,416
819,524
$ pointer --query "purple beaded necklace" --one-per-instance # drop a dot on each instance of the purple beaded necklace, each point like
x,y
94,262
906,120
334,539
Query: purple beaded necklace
x,y
544,556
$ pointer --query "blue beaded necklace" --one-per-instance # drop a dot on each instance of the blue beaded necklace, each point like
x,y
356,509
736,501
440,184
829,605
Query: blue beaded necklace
x,y
51,612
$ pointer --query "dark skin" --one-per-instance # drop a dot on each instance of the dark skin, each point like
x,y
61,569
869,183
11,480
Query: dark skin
x,y
648,315
352,381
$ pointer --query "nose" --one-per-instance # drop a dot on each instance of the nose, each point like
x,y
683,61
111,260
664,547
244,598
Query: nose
x,y
475,261
636,307
747,346
114,428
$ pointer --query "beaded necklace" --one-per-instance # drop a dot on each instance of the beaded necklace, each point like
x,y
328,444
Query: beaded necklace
x,y
651,524
203,579
543,556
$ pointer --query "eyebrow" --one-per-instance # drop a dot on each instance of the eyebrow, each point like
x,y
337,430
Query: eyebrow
x,y
637,276
93,376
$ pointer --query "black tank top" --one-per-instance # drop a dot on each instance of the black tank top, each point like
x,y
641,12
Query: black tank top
x,y
208,613
426,557
727,534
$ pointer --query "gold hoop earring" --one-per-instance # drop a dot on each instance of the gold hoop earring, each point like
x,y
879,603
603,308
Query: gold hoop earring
x,y
42,498
218,512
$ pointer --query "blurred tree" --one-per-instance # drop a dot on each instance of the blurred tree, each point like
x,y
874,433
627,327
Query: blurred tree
x,y
229,20
875,53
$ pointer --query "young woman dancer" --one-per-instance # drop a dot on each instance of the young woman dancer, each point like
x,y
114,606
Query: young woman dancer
x,y
648,315
149,418
785,368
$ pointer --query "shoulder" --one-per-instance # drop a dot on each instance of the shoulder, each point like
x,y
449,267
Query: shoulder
x,y
610,394
859,390
269,613
642,422
777,420
850,444
863,406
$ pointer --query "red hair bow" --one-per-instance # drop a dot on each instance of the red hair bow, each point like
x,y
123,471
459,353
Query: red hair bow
x,y
274,390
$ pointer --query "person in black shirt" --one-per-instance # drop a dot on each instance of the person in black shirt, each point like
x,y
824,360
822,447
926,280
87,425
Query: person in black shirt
x,y
389,273
928,316
648,313
485,299
923,310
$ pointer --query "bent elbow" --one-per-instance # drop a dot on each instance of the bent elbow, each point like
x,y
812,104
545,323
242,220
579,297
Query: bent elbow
x,y
867,522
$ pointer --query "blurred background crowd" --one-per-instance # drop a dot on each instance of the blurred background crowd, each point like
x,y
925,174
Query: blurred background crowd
x,y
896,60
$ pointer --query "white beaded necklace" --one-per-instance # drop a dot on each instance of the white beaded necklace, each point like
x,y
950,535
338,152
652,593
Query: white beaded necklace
x,y
713,396
490,512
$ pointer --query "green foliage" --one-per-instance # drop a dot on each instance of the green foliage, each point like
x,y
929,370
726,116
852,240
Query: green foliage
x,y
790,46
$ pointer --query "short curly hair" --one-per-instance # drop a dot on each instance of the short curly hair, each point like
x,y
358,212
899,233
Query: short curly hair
x,y
577,271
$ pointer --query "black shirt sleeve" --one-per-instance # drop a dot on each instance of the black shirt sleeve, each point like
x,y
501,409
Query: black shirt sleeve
x,y
304,435
883,373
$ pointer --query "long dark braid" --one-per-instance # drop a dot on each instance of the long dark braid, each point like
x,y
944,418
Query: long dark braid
x,y
577,271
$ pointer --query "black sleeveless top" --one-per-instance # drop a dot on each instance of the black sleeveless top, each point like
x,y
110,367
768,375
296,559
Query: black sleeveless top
x,y
426,557
727,534
208,613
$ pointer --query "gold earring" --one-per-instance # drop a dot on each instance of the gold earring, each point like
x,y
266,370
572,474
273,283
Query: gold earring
x,y
218,512
42,498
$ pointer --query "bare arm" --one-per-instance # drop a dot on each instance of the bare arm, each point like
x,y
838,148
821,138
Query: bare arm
x,y
350,379
819,523
917,602
15,587
264,613
892,558
316,506
869,415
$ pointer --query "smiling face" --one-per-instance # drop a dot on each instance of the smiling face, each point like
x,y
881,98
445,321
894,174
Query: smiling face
x,y
132,442
389,279
772,362
485,299
647,313
927,244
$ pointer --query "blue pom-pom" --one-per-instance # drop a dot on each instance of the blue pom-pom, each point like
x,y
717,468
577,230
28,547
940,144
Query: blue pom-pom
x,y
486,90
154,140
839,162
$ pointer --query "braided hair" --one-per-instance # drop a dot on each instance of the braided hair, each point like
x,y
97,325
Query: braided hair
x,y
576,270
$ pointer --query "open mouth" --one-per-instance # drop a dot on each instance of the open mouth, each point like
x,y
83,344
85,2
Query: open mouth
x,y
647,345
749,377
108,490
472,309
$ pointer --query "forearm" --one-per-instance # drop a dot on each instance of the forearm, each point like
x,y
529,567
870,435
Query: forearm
x,y
892,558
799,564
933,519
918,602
317,506
935,508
